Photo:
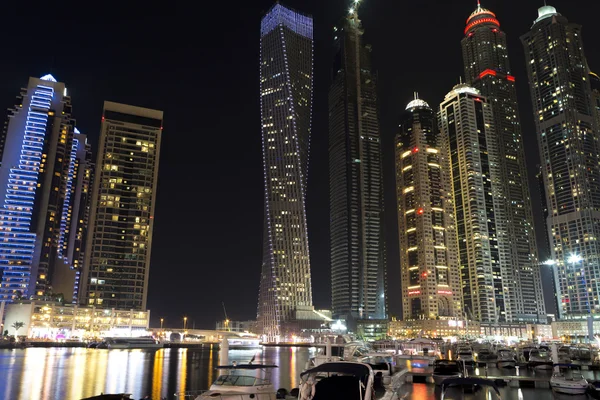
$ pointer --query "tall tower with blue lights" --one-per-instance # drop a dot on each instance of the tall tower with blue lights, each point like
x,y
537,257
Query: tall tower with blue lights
x,y
487,68
358,272
568,138
45,166
286,70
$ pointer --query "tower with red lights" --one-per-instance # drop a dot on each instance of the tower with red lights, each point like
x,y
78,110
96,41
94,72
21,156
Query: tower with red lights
x,y
487,69
426,225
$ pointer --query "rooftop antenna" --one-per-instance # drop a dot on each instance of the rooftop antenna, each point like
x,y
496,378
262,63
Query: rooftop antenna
x,y
460,79
416,95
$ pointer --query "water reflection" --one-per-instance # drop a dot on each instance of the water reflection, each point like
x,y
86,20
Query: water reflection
x,y
73,374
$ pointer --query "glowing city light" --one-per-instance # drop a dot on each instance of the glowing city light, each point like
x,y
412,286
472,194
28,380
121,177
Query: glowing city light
x,y
574,258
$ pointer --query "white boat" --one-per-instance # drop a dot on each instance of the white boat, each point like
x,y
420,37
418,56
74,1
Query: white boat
x,y
343,381
506,359
568,381
477,388
564,354
243,343
539,359
240,382
146,342
445,369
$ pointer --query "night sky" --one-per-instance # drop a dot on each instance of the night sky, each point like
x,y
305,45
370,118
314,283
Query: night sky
x,y
201,66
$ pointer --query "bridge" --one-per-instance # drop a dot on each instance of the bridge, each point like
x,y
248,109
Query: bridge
x,y
200,335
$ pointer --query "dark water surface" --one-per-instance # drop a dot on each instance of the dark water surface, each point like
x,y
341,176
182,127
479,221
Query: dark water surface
x,y
75,373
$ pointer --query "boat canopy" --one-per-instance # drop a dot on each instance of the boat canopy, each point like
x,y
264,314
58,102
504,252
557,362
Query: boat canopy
x,y
576,366
450,382
356,369
246,366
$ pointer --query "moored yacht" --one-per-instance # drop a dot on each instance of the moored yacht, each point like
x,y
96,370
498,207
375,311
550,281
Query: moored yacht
x,y
506,359
568,380
464,354
343,381
539,359
444,369
241,382
145,342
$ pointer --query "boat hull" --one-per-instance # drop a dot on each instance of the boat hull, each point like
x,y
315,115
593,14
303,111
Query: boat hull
x,y
594,392
558,388
134,346
541,365
438,379
506,363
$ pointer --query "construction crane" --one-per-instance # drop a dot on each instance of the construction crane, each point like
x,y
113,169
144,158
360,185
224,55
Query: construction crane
x,y
226,319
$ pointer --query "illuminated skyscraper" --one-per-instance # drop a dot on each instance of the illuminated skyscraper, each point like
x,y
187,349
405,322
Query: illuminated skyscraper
x,y
286,63
117,255
43,173
426,226
487,69
568,136
467,123
358,274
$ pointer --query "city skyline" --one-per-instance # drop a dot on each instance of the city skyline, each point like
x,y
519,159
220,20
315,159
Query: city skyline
x,y
210,265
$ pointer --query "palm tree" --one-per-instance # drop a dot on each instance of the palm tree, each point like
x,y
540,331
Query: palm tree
x,y
17,325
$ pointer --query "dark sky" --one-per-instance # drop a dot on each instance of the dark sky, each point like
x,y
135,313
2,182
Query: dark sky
x,y
200,65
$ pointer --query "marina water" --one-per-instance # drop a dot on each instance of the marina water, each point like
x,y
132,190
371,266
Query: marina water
x,y
76,373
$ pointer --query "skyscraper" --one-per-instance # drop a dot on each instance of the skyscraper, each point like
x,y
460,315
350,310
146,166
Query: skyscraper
x,y
286,67
595,85
117,255
75,220
358,274
426,226
42,175
568,137
487,69
467,123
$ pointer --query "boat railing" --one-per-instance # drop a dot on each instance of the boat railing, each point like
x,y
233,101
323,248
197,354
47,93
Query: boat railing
x,y
193,394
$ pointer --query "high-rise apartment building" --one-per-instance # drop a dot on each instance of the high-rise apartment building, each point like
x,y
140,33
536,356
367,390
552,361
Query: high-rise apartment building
x,y
430,275
358,273
595,85
286,68
117,255
567,129
467,123
487,68
43,176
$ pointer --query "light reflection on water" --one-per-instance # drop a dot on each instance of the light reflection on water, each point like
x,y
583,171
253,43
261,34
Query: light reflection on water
x,y
73,374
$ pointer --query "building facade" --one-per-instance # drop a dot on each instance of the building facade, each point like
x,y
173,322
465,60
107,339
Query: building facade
x,y
117,255
43,173
358,272
286,67
487,68
567,129
430,276
467,124
56,321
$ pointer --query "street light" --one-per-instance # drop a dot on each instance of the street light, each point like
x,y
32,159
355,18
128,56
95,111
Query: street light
x,y
161,323
184,322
